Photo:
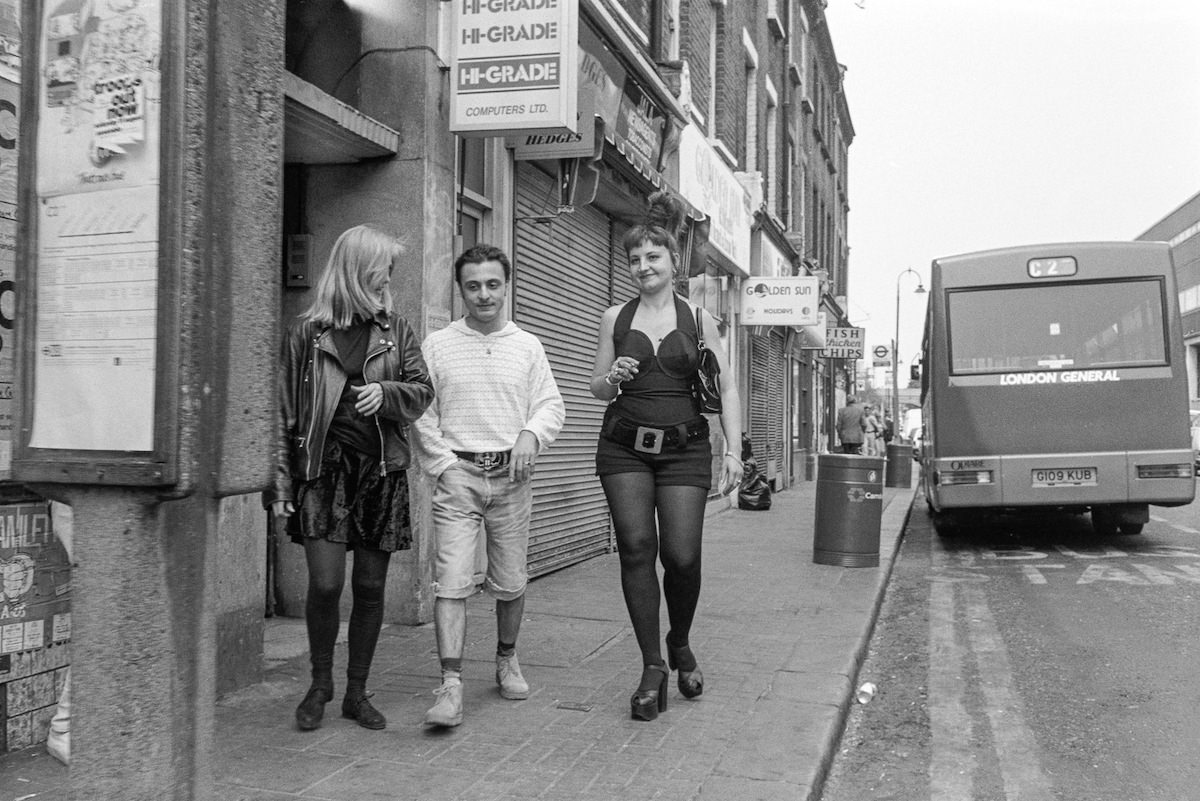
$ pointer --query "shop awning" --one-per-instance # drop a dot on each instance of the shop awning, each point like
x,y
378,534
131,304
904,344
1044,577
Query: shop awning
x,y
320,129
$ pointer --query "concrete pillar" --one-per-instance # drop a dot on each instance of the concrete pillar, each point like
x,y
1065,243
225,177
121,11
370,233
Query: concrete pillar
x,y
143,647
146,559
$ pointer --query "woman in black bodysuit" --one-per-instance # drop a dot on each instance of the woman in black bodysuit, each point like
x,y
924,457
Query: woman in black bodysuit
x,y
654,456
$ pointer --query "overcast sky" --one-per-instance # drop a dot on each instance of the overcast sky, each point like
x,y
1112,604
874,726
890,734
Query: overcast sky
x,y
987,123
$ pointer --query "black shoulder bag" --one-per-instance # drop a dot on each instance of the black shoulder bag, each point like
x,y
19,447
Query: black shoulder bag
x,y
707,388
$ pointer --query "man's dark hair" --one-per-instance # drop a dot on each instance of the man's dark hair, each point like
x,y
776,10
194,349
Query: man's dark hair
x,y
478,254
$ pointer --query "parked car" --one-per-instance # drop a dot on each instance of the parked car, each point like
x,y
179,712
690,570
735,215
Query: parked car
x,y
916,442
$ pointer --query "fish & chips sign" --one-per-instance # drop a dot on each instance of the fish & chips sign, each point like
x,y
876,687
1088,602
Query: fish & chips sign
x,y
514,66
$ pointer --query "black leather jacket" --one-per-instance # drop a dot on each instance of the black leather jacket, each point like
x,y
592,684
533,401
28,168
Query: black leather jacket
x,y
310,384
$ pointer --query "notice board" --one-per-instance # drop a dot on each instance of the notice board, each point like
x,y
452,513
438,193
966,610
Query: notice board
x,y
93,373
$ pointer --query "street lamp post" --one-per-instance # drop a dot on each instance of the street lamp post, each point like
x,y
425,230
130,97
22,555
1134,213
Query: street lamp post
x,y
920,290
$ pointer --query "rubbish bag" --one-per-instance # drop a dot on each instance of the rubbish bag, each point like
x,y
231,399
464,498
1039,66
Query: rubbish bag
x,y
754,493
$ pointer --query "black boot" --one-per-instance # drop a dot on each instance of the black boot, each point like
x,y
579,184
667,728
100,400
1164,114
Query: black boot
x,y
312,708
360,710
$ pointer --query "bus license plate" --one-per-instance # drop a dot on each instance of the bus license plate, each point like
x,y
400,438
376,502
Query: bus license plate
x,y
1065,477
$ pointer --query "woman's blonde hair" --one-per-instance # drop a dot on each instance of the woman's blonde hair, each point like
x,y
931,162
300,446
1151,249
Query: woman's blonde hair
x,y
355,281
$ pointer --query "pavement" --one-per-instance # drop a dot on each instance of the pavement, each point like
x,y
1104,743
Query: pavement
x,y
780,640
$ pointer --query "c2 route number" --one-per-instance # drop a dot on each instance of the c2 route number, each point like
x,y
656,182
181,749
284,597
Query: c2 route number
x,y
1052,268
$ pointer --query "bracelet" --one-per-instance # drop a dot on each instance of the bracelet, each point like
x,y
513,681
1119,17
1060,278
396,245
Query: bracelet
x,y
734,455
608,380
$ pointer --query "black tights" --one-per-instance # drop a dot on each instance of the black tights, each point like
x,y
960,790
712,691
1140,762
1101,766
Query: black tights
x,y
633,501
326,575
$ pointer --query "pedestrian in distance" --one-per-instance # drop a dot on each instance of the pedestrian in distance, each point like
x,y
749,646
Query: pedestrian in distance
x,y
497,409
872,428
351,380
850,426
654,457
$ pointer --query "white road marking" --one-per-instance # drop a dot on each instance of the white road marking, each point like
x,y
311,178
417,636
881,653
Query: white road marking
x,y
1175,526
956,643
1015,743
952,763
1035,575
1107,553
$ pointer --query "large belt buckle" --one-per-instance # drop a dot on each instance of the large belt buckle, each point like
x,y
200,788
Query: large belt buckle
x,y
488,460
648,440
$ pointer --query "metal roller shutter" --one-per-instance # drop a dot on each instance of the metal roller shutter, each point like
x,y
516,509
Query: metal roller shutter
x,y
562,285
776,413
760,374
767,374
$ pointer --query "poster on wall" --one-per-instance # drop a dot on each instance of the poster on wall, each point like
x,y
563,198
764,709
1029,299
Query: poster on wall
x,y
96,327
10,100
95,338
35,600
9,95
100,100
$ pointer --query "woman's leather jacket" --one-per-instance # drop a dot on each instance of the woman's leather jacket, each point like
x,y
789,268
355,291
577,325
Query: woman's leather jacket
x,y
310,385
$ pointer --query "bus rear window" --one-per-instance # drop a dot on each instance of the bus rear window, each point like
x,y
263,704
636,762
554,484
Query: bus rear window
x,y
1057,327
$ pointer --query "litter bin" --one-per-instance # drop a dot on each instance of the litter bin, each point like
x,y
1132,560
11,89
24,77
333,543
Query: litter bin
x,y
848,510
899,465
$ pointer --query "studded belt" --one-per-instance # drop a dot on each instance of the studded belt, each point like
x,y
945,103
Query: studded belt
x,y
648,439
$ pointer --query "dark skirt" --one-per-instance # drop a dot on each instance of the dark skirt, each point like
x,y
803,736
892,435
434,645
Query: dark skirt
x,y
350,502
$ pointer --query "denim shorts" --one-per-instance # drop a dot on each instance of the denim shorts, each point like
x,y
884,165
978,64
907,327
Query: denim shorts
x,y
468,503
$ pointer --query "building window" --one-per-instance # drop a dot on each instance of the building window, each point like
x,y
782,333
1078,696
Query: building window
x,y
711,111
791,165
750,154
772,135
668,29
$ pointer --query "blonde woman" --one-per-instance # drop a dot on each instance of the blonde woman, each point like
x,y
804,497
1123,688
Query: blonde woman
x,y
352,378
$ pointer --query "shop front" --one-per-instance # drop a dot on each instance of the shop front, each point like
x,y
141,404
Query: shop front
x,y
575,196
721,256
775,301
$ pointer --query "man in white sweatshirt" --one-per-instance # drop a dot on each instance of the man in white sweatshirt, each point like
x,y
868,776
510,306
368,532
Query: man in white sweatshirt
x,y
496,407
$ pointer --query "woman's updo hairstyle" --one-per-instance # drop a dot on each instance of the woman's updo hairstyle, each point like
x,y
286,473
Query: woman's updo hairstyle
x,y
661,225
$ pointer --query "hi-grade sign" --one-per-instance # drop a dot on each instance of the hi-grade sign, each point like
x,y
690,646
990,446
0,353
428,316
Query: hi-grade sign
x,y
514,66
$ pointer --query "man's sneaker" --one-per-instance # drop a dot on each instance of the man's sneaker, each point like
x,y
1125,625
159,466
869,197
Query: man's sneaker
x,y
508,676
448,711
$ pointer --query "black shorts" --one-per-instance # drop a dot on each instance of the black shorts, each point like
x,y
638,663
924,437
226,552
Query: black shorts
x,y
673,466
